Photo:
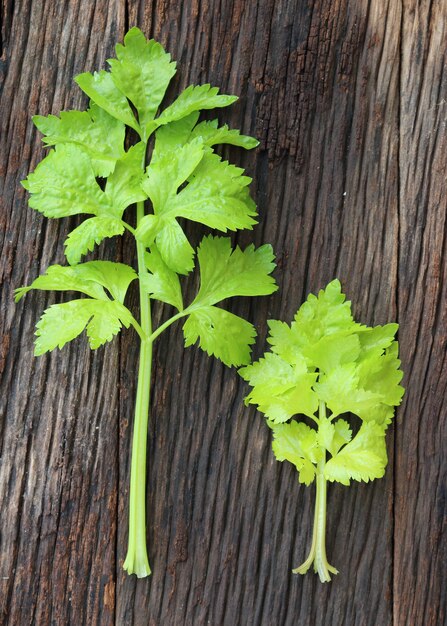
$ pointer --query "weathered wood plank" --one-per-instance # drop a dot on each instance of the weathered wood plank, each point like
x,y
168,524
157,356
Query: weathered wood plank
x,y
349,177
58,474
420,544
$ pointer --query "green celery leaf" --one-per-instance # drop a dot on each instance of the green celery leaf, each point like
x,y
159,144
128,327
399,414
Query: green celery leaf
x,y
124,184
342,435
333,435
60,278
147,229
175,135
175,248
64,184
341,391
280,390
215,196
142,71
325,314
95,131
220,333
168,172
376,338
326,359
194,98
363,459
115,277
225,272
101,88
106,322
318,317
212,135
326,432
332,350
297,443
162,283
381,374
61,323
172,136
88,278
284,341
83,238
382,414
272,371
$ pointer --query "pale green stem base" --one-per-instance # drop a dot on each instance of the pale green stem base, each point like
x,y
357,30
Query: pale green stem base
x,y
137,560
317,554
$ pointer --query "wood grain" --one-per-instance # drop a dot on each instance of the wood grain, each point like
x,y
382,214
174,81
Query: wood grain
x,y
348,100
420,480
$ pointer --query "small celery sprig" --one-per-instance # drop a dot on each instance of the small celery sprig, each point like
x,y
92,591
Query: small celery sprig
x,y
90,172
322,366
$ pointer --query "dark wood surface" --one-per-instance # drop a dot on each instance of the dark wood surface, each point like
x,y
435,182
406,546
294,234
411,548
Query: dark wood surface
x,y
349,101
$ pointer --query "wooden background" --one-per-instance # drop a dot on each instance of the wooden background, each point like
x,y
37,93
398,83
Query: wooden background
x,y
349,101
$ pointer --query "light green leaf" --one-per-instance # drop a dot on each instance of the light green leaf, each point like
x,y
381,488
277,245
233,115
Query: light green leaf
x,y
285,342
319,317
142,71
326,432
174,248
64,184
381,374
194,98
115,277
168,172
100,87
147,229
162,283
99,134
107,320
382,414
363,459
342,435
279,389
332,350
88,278
124,184
272,371
59,278
225,272
297,443
376,339
333,435
83,238
215,196
61,323
220,333
342,393
172,136
329,311
212,135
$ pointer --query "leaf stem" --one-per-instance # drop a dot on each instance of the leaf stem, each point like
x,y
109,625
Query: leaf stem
x,y
129,227
166,324
137,560
317,555
138,328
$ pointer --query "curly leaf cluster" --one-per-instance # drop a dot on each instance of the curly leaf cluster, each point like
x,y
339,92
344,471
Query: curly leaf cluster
x,y
326,359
